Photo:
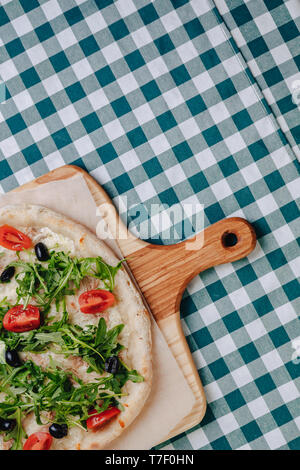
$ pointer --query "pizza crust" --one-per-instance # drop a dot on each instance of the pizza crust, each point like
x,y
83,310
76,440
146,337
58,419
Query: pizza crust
x,y
131,308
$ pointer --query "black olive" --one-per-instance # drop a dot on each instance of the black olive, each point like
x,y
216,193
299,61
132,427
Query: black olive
x,y
12,358
58,430
41,252
7,424
7,274
112,365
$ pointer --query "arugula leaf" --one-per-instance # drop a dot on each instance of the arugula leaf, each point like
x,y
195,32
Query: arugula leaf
x,y
58,277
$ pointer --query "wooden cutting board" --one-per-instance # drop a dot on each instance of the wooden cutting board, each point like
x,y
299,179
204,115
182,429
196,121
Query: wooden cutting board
x,y
163,272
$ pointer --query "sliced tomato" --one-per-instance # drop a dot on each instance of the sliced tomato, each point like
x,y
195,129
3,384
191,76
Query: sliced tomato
x,y
38,441
95,301
18,319
13,239
98,420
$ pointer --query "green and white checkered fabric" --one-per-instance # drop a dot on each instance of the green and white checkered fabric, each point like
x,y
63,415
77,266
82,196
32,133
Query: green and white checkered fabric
x,y
267,34
157,102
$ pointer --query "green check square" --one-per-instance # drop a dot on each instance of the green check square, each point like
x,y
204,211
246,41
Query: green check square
x,y
73,16
4,19
45,108
148,13
30,77
44,32
105,76
5,169
15,47
16,123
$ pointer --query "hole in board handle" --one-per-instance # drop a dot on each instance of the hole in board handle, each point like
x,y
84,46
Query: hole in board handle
x,y
229,239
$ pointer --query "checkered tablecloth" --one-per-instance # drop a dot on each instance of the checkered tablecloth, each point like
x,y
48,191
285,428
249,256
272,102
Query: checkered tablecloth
x,y
177,101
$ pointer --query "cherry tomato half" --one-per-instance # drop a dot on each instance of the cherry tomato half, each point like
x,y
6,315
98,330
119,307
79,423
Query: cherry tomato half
x,y
38,441
13,239
97,421
95,301
18,319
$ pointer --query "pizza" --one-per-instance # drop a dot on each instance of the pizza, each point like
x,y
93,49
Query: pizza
x,y
75,337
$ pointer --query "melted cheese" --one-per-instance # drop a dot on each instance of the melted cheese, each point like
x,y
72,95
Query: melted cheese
x,y
57,242
8,290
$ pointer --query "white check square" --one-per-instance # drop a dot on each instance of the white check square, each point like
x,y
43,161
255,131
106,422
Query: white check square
x,y
281,54
235,143
159,144
8,70
289,392
145,191
82,69
51,9
52,85
173,98
157,67
213,392
125,8
130,160
175,175
22,25
256,329
283,235
232,65
54,160
24,176
210,313
203,82
205,159
96,22
216,36
141,37
269,282
264,127
265,23
111,52
251,173
68,115
228,423
242,376
239,298
221,189
219,112
189,128
272,360
267,204
84,145
66,38
9,146
225,345
128,83
258,407
143,113
98,99
275,439
171,21
37,54
23,100
197,439
187,51
38,131
113,129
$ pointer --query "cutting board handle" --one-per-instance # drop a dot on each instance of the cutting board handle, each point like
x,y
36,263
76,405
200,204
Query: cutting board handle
x,y
171,267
